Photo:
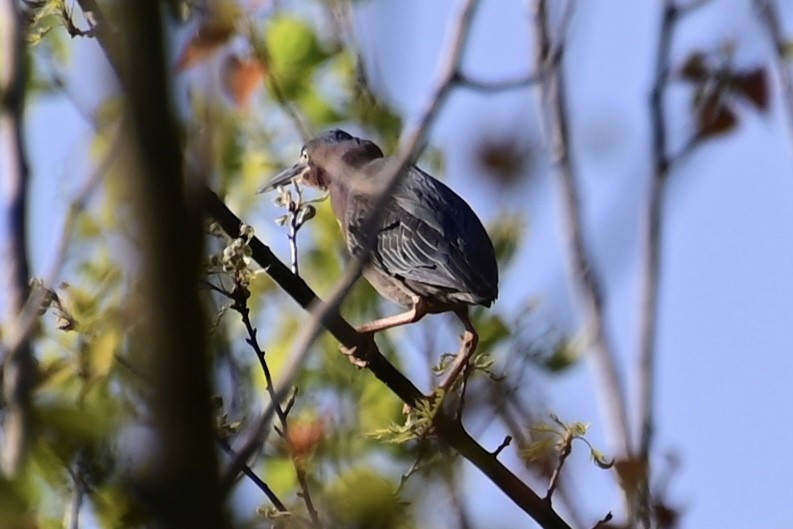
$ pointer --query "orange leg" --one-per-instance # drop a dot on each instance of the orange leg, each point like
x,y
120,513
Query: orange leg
x,y
418,311
467,350
358,358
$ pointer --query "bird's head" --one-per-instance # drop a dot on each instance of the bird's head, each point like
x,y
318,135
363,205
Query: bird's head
x,y
332,156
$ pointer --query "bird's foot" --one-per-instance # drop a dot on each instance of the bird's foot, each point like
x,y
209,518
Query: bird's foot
x,y
359,355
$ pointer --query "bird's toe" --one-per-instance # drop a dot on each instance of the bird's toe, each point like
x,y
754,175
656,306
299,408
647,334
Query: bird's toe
x,y
359,355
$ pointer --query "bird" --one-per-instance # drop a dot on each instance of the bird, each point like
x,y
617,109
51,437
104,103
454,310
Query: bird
x,y
430,252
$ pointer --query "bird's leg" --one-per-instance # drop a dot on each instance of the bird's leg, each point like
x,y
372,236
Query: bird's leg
x,y
418,311
368,330
360,358
467,350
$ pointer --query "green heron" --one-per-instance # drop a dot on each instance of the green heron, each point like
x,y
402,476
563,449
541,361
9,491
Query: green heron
x,y
431,252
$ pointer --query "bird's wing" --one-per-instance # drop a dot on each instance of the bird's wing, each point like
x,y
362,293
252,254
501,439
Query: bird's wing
x,y
428,236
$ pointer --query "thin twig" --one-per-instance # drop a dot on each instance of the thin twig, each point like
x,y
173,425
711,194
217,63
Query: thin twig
x,y
259,482
505,443
80,488
295,223
653,225
554,109
662,163
240,297
487,86
603,521
564,453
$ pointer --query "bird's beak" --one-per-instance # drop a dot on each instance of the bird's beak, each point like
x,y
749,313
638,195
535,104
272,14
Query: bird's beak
x,y
286,176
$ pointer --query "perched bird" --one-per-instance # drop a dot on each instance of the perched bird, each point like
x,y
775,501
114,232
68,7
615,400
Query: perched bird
x,y
430,253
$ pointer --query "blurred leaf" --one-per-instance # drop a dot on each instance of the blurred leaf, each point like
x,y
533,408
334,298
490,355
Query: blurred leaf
x,y
631,473
44,17
114,506
492,330
787,49
86,227
317,108
294,53
102,351
363,498
109,112
207,40
377,407
714,117
505,159
753,85
305,436
564,355
507,233
241,78
15,509
695,69
363,105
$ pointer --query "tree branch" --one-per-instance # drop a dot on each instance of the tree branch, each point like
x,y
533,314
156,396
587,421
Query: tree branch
x,y
19,365
449,430
181,485
554,108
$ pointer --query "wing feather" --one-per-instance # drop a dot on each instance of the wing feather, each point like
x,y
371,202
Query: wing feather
x,y
429,238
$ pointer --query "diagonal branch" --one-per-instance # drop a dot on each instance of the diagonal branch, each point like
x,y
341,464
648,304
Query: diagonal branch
x,y
447,429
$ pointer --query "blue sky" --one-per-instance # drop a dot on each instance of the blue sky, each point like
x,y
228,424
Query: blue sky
x,y
726,299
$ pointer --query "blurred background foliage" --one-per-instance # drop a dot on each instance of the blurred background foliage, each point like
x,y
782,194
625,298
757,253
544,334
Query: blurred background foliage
x,y
251,80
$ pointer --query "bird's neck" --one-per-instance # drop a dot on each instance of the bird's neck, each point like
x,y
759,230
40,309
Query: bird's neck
x,y
338,201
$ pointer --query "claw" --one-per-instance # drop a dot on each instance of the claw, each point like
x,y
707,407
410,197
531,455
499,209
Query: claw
x,y
361,358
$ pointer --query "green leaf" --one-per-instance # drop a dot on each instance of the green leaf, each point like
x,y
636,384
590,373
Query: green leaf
x,y
507,233
363,498
294,53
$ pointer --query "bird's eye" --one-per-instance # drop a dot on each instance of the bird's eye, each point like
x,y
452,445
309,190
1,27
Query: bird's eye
x,y
304,155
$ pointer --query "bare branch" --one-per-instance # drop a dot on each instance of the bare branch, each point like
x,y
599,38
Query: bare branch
x,y
649,303
240,297
554,109
505,443
480,85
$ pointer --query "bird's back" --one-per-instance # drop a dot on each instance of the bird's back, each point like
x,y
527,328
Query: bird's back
x,y
428,238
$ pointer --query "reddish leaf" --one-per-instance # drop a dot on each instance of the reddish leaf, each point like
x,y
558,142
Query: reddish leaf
x,y
714,116
695,69
666,516
305,437
209,38
631,473
753,85
241,78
